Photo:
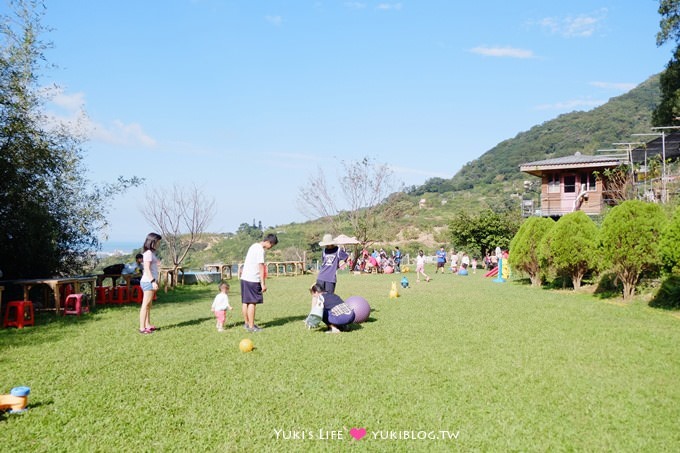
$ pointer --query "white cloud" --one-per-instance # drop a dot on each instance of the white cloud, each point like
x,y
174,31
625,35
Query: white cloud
x,y
580,26
65,111
573,104
119,133
274,20
509,52
69,102
68,110
388,6
618,86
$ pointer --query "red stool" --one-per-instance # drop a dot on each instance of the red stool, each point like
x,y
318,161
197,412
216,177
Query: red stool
x,y
119,295
19,313
103,295
76,304
136,295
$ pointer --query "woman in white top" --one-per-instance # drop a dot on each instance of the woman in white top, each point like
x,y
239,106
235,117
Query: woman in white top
x,y
149,281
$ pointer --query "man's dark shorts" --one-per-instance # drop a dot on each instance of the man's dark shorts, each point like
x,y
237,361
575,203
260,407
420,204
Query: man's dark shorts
x,y
251,292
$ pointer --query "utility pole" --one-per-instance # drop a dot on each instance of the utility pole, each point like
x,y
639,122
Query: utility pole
x,y
664,191
629,154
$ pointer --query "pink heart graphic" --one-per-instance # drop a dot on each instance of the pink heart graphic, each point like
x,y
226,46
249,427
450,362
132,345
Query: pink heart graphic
x,y
357,433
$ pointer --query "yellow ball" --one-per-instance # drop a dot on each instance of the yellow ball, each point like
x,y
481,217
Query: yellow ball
x,y
246,345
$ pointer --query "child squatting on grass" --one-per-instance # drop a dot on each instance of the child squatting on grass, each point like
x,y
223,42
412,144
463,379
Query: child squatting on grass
x,y
220,306
330,308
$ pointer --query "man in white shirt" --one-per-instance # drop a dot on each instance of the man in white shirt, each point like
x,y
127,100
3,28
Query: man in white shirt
x,y
253,280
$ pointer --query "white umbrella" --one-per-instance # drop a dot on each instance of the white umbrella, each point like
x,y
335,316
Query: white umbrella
x,y
345,240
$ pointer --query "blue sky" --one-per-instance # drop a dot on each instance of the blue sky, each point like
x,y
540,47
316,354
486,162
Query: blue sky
x,y
247,98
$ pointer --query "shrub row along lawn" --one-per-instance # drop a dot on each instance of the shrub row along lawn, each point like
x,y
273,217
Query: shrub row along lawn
x,y
457,363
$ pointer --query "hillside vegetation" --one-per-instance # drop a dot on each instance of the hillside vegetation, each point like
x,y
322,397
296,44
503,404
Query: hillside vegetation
x,y
493,181
585,132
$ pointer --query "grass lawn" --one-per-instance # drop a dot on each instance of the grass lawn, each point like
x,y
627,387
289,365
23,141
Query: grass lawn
x,y
460,363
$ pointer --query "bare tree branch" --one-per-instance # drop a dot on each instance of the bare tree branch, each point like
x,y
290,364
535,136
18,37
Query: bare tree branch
x,y
317,200
181,216
363,185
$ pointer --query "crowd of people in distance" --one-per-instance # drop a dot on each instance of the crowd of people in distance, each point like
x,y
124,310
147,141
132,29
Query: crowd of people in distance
x,y
490,261
459,260
378,261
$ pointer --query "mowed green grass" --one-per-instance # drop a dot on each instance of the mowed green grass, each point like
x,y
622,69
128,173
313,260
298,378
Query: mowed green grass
x,y
460,363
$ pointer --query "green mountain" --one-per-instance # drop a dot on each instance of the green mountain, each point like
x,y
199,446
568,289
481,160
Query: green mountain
x,y
493,181
585,132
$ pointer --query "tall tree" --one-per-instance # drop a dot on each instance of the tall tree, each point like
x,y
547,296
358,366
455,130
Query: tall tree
x,y
668,109
617,183
483,232
630,236
525,248
670,22
571,246
52,216
363,185
181,216
670,239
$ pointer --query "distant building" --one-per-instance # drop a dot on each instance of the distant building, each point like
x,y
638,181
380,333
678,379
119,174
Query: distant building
x,y
571,183
578,182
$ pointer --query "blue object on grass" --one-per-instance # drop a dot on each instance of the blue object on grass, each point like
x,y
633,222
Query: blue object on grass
x,y
404,282
20,391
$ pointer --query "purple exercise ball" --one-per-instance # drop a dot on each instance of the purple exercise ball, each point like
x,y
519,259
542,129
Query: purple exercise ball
x,y
360,306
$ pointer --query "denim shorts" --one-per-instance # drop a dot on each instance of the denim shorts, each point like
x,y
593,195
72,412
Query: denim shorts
x,y
146,286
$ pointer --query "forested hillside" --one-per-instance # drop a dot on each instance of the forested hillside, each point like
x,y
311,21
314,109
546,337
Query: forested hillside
x,y
585,132
491,183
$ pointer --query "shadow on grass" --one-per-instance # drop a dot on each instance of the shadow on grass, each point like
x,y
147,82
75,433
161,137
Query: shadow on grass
x,y
359,326
609,287
668,295
347,329
352,327
191,322
47,329
559,283
370,319
283,321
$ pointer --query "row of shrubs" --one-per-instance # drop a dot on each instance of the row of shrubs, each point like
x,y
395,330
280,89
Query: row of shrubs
x,y
635,238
